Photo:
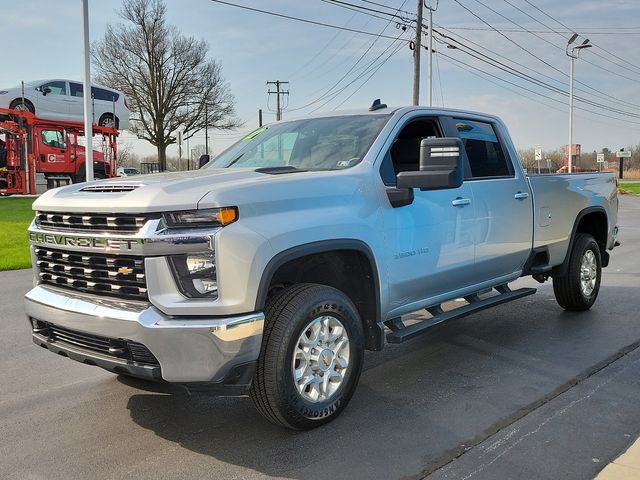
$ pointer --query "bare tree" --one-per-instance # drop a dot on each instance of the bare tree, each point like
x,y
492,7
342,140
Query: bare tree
x,y
169,82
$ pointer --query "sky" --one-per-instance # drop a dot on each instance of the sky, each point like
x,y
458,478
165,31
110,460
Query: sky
x,y
253,48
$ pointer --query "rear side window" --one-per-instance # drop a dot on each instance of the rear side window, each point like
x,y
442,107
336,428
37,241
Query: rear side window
x,y
102,94
485,154
76,89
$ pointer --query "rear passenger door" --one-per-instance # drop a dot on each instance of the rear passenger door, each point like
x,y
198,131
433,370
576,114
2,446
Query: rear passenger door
x,y
503,204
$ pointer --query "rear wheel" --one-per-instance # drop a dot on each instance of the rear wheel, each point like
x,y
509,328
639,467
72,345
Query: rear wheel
x,y
109,121
311,357
23,105
578,289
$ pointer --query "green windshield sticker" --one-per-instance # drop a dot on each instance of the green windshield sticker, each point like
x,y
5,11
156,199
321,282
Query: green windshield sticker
x,y
254,134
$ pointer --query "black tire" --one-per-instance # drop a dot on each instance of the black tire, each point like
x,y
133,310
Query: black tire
x,y
107,120
288,314
17,103
567,288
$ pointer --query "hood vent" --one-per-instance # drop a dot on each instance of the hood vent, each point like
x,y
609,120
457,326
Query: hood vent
x,y
110,188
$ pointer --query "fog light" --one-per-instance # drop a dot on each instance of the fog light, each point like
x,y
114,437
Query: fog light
x,y
195,274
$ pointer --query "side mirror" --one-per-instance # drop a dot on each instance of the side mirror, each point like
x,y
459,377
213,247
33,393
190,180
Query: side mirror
x,y
46,90
203,160
440,165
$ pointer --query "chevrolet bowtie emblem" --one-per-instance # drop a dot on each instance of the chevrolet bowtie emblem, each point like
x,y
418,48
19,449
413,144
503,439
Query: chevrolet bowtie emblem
x,y
325,359
125,270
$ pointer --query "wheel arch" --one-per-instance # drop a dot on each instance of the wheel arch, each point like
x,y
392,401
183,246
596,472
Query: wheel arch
x,y
591,220
20,99
338,256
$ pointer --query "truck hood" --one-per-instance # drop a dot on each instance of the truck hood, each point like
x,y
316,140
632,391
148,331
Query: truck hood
x,y
145,193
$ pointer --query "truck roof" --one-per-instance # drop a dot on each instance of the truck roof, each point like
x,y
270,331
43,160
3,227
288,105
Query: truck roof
x,y
401,110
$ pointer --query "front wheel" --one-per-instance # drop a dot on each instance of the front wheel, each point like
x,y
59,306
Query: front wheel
x,y
578,289
311,357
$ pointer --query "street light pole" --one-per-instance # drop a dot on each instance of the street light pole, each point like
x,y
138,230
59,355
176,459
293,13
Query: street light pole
x,y
573,55
569,149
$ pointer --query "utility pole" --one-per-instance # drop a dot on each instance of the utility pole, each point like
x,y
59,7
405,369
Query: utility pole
x,y
430,33
572,54
280,93
416,55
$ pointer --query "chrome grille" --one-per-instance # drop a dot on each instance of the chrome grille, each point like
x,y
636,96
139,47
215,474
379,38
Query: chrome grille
x,y
113,275
83,222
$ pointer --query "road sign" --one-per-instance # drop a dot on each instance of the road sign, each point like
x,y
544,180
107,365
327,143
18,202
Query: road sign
x,y
538,153
600,158
623,154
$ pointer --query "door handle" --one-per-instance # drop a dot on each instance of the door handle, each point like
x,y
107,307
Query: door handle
x,y
521,196
460,202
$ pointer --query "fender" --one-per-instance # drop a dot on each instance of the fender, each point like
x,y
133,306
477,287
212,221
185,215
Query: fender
x,y
562,268
374,330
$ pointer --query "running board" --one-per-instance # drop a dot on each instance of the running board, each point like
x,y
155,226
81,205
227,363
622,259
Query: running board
x,y
400,333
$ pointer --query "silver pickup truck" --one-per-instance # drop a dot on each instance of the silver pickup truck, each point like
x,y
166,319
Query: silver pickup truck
x,y
269,271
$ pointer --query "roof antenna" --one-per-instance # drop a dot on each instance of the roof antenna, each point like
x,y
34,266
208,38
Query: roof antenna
x,y
376,105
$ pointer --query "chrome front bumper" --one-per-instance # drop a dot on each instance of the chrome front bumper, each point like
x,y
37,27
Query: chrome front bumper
x,y
188,349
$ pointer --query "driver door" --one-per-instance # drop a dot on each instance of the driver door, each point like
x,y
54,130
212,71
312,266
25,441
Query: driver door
x,y
430,244
53,101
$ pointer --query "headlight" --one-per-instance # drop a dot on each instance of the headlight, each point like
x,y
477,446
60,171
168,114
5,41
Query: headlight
x,y
210,217
195,274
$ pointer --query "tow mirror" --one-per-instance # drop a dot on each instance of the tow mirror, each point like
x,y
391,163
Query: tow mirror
x,y
203,160
440,165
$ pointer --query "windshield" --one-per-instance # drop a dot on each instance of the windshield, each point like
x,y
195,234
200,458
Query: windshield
x,y
329,143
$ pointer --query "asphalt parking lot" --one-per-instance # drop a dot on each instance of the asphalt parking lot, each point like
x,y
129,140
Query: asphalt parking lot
x,y
524,390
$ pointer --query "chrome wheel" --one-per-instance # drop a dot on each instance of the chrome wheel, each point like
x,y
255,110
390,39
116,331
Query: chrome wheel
x,y
588,273
321,359
108,122
23,107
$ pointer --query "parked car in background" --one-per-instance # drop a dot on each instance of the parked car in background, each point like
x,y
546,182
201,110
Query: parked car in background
x,y
62,100
127,171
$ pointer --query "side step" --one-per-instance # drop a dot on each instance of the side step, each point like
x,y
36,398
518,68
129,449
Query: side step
x,y
400,333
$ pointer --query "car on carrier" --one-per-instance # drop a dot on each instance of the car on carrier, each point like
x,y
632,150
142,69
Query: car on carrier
x,y
269,271
58,99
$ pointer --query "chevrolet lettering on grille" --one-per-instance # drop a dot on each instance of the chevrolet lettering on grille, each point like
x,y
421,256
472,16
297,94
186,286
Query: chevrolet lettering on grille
x,y
84,242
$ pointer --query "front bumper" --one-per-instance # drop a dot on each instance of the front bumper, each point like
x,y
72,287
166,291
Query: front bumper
x,y
198,350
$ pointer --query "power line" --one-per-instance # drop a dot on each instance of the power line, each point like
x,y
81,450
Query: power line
x,y
600,94
299,19
515,72
323,49
329,92
502,29
599,113
597,46
396,50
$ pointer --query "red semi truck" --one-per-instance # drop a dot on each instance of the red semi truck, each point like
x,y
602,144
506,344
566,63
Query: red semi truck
x,y
30,145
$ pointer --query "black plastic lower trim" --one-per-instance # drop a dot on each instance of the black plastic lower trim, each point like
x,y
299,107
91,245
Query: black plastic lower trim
x,y
235,384
146,372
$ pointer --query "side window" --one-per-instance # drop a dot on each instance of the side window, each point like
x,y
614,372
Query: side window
x,y
55,88
404,154
485,154
53,138
105,95
75,89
